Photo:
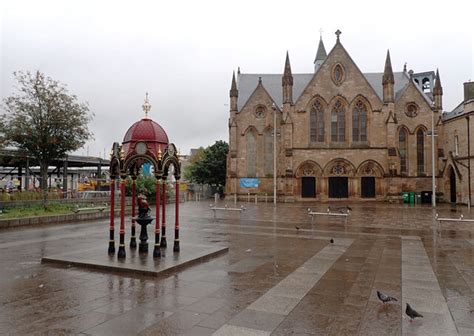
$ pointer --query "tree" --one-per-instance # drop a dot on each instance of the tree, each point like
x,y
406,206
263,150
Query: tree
x,y
44,121
198,156
211,169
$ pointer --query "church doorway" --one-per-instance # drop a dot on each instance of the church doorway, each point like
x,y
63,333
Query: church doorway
x,y
338,187
452,185
308,187
367,184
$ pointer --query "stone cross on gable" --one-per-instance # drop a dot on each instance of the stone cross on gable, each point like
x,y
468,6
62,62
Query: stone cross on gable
x,y
338,32
321,32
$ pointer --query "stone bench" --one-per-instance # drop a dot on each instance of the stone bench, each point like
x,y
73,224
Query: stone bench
x,y
328,213
226,208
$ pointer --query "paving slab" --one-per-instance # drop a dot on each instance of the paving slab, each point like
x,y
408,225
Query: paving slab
x,y
138,263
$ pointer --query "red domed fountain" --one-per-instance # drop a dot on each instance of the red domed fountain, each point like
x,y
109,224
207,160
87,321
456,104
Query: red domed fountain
x,y
144,142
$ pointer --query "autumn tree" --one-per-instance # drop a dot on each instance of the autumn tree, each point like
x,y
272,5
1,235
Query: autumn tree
x,y
44,121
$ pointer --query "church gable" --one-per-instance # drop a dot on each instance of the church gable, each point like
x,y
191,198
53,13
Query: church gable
x,y
257,111
413,107
338,75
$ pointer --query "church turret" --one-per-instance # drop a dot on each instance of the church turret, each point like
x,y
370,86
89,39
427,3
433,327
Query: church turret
x,y
320,54
388,81
438,93
234,93
287,82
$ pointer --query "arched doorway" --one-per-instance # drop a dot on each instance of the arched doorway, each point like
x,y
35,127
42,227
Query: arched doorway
x,y
452,185
307,176
338,172
370,172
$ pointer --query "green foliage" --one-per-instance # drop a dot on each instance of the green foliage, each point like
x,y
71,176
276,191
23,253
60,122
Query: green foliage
x,y
38,210
44,121
27,196
211,168
198,156
146,185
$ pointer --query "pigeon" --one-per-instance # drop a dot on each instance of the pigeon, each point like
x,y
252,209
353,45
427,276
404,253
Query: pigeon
x,y
345,209
385,298
297,227
412,313
331,241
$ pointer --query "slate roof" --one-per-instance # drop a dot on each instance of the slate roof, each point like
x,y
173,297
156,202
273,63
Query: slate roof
x,y
454,113
247,83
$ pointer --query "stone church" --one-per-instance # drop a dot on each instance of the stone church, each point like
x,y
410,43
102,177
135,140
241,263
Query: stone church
x,y
341,134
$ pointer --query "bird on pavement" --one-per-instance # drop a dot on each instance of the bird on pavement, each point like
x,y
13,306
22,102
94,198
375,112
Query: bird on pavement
x,y
331,241
344,209
385,298
412,313
297,227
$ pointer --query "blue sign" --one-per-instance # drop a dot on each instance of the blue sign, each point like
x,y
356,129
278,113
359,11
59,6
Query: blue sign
x,y
146,169
249,182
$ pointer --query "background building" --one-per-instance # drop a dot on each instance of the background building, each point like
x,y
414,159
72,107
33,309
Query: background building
x,y
344,134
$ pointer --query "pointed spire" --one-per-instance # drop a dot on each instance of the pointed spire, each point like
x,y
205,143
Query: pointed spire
x,y
438,93
388,73
233,89
287,75
438,89
321,53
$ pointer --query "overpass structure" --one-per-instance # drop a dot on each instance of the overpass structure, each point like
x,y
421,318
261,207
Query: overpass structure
x,y
13,163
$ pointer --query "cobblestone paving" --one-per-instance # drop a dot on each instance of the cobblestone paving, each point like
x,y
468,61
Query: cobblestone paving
x,y
282,276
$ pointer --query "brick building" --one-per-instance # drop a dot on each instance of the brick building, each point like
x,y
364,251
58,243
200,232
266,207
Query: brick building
x,y
344,134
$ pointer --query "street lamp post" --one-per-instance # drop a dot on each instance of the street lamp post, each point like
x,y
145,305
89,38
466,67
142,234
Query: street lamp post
x,y
274,154
433,181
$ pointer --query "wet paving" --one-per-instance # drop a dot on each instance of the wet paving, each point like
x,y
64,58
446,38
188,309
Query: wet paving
x,y
281,276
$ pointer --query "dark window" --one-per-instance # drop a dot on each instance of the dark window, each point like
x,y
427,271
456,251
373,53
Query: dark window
x,y
338,187
420,151
338,124
359,122
251,155
308,187
316,122
269,152
402,148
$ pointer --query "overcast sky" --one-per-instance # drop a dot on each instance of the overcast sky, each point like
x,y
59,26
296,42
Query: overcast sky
x,y
110,53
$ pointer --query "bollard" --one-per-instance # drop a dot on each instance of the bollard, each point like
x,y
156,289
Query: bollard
x,y
216,197
248,197
235,198
266,197
256,198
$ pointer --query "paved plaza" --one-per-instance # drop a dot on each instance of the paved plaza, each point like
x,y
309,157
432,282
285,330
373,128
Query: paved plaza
x,y
282,275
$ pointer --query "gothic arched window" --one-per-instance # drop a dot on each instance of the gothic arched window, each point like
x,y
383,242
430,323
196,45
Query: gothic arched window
x,y
402,148
251,154
338,123
268,152
359,122
316,122
420,151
